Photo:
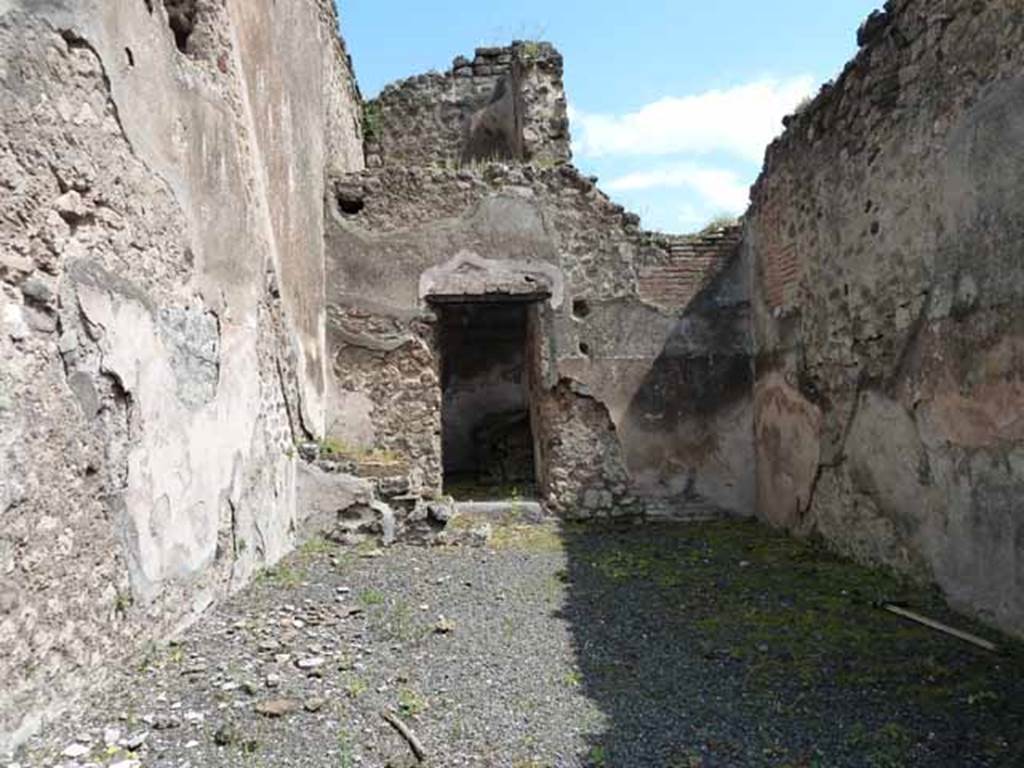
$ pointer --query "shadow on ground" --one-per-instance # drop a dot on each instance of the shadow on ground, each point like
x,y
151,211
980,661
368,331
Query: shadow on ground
x,y
727,645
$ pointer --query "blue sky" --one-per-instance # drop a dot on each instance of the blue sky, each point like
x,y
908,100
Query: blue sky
x,y
672,101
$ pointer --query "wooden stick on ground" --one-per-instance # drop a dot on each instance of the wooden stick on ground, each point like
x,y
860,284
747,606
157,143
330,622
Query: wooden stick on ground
x,y
408,735
937,625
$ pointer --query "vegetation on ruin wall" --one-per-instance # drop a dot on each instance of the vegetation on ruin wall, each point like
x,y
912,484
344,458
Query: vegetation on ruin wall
x,y
719,222
371,120
338,449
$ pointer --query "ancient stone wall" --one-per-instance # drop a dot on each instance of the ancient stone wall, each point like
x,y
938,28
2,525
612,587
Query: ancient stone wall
x,y
505,104
386,396
885,244
613,301
161,315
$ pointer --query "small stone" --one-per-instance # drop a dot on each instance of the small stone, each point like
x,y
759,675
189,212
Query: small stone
x,y
76,750
309,452
71,207
166,722
480,535
225,735
111,736
38,290
311,663
444,626
272,680
136,741
250,688
314,705
441,512
277,707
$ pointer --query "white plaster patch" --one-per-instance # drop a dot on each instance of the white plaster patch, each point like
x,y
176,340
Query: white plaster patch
x,y
353,420
12,318
184,462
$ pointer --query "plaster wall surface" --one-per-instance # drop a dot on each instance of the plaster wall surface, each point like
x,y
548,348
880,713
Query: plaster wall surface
x,y
885,246
161,317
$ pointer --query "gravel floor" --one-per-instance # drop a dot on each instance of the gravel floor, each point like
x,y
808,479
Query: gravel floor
x,y
704,645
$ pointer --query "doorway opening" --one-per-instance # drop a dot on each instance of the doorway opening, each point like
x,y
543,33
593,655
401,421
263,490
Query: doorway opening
x,y
486,435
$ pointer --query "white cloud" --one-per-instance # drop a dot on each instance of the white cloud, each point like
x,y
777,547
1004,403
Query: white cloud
x,y
690,218
720,190
740,121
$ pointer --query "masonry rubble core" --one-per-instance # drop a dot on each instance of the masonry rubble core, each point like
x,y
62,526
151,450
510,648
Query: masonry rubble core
x,y
222,276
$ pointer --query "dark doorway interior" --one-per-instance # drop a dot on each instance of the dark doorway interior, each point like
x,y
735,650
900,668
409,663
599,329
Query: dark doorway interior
x,y
487,443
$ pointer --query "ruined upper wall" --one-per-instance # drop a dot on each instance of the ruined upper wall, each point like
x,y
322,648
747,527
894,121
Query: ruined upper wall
x,y
885,238
161,314
507,104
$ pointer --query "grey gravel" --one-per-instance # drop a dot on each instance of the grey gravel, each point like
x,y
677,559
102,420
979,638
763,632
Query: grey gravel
x,y
549,648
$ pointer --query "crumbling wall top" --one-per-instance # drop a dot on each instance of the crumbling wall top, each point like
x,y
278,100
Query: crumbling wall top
x,y
506,103
898,74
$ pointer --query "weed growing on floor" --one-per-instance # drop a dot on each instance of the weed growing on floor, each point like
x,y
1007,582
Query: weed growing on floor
x,y
397,623
315,549
283,575
371,597
346,752
411,703
528,537
356,687
149,655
